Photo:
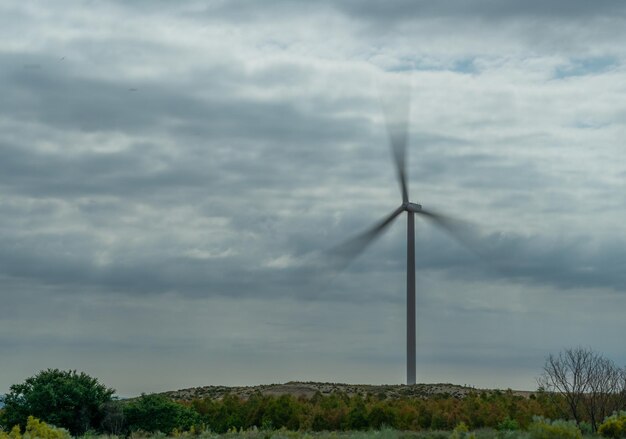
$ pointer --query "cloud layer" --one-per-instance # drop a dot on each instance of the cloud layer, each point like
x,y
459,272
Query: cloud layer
x,y
171,173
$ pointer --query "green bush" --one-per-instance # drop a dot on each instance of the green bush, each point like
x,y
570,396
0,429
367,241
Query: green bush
x,y
585,428
508,424
614,426
542,428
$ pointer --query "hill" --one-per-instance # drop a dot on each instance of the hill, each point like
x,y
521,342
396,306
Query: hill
x,y
308,389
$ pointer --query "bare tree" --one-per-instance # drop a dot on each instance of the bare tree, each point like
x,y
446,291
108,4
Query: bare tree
x,y
568,375
592,386
605,387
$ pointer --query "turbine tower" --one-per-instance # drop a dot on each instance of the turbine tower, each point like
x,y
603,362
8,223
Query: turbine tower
x,y
398,136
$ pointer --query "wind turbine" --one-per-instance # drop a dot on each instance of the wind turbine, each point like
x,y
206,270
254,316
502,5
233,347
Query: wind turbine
x,y
398,136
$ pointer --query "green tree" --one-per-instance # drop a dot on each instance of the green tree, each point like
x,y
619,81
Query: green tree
x,y
67,399
357,416
283,412
113,418
158,413
381,415
220,416
254,409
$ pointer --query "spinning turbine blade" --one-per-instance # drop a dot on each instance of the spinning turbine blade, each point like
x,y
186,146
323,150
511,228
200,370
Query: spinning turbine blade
x,y
351,248
396,110
397,140
459,230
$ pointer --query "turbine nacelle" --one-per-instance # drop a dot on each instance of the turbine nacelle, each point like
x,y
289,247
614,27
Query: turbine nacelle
x,y
412,207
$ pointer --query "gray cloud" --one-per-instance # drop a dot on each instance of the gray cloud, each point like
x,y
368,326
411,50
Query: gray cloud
x,y
485,9
171,177
403,10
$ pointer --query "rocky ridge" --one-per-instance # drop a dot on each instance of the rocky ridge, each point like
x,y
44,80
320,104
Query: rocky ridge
x,y
308,389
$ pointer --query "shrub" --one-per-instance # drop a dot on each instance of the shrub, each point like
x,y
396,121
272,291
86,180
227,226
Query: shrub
x,y
585,428
614,426
542,428
460,431
15,433
36,429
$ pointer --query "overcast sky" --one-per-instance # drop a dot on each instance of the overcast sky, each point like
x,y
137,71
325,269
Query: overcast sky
x,y
171,171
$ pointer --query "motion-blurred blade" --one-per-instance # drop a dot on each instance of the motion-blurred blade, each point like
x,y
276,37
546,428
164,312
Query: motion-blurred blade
x,y
461,231
396,106
344,253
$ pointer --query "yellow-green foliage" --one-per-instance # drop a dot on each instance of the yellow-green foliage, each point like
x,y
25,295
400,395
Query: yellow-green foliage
x,y
461,431
461,427
614,426
39,429
542,428
36,429
13,434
